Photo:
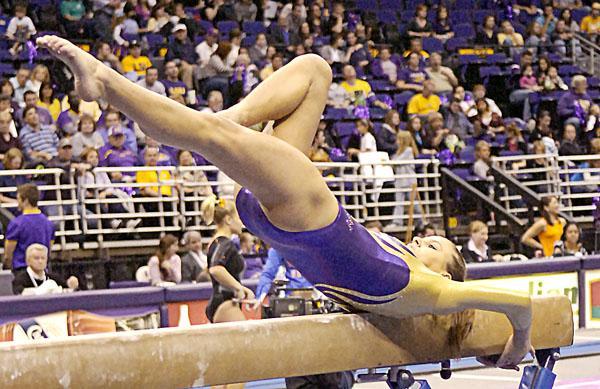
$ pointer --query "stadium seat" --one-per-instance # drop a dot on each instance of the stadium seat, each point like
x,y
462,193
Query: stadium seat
x,y
346,128
432,45
467,154
578,14
461,15
142,274
390,4
387,17
382,86
464,31
254,28
227,25
453,44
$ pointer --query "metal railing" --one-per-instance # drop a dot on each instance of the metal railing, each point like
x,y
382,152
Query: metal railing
x,y
586,54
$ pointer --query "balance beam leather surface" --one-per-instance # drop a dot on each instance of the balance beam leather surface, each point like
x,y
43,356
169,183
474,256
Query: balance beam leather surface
x,y
262,349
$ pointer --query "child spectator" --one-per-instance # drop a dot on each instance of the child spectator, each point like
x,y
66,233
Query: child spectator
x,y
483,160
553,81
165,265
476,250
20,29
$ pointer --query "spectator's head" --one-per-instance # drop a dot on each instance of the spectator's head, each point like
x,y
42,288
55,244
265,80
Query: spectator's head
x,y
565,14
65,149
46,93
223,213
579,84
424,230
299,50
479,233
421,11
6,89
36,257
539,147
171,70
192,241
297,11
374,226
261,40
392,119
282,22
569,133
428,88
22,76
596,9
235,37
40,73
338,8
305,29
5,120
212,36
385,53
116,136
459,93
544,122
483,151
31,117
179,10
151,155
535,29
482,106
167,247
247,242
544,64
277,61
351,38
271,51
349,73
363,126
552,72
435,60
89,155
560,26
513,131
151,75
489,22
13,159
414,60
527,71
135,49
455,106
416,45
337,40
223,50
112,119
549,207
435,121
572,234
526,59
405,140
442,13
180,32
185,158
28,196
414,124
103,50
215,100
507,27
20,10
74,101
30,98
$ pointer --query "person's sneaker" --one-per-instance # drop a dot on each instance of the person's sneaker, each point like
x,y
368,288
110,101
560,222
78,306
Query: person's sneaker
x,y
133,223
392,227
116,223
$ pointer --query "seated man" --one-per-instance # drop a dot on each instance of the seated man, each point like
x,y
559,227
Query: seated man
x,y
425,102
115,154
35,275
32,226
162,179
135,64
443,77
31,100
40,142
359,90
194,265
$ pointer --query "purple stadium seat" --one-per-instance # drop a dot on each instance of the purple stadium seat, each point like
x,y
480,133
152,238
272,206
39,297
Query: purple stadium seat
x,y
154,40
498,59
454,43
461,15
248,40
366,5
346,128
336,114
593,82
432,45
387,17
253,28
464,31
206,25
467,154
227,25
568,70
377,127
508,153
401,99
382,86
7,69
485,72
376,113
579,14
390,4
480,14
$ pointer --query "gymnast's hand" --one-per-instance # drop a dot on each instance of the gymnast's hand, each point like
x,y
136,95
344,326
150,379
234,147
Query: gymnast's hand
x,y
244,294
517,347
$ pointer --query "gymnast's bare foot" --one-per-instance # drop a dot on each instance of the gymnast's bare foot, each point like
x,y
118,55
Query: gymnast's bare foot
x,y
89,72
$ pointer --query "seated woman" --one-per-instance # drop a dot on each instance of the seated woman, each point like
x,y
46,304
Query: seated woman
x,y
570,244
287,203
476,250
165,265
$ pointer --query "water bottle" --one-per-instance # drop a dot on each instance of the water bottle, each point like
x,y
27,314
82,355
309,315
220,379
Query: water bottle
x,y
184,316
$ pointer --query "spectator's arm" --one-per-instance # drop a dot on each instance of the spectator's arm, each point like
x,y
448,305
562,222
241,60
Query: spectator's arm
x,y
211,13
9,250
175,270
154,271
532,232
450,75
117,36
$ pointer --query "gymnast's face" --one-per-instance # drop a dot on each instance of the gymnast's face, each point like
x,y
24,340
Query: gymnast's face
x,y
435,252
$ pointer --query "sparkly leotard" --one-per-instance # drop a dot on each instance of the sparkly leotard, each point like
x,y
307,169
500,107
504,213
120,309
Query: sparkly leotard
x,y
343,260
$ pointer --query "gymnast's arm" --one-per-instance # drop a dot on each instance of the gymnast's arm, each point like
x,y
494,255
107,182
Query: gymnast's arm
x,y
223,277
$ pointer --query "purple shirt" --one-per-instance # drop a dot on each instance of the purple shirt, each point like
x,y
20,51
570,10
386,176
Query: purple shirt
x,y
113,157
413,76
27,229
130,139
68,121
175,88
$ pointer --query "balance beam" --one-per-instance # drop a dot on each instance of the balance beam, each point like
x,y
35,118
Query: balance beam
x,y
261,349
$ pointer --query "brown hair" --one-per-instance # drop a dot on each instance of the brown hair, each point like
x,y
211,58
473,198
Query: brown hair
x,y
165,242
223,50
215,210
405,140
86,152
88,117
11,154
30,193
544,202
389,117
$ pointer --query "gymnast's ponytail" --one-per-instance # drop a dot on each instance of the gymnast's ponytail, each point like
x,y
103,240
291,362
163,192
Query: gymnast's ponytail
x,y
215,210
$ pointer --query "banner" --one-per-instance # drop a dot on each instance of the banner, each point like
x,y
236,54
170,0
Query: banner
x,y
592,299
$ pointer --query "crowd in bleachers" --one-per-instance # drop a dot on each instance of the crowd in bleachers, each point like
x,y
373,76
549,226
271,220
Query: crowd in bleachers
x,y
413,79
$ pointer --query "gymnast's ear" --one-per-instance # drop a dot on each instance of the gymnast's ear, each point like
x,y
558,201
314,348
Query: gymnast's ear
x,y
445,274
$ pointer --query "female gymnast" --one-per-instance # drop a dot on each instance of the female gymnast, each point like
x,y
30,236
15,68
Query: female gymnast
x,y
286,202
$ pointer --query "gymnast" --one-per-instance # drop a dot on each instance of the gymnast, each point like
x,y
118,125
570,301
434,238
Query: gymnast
x,y
286,202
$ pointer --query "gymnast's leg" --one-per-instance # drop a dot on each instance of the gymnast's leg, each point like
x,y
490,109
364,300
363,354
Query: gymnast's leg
x,y
283,180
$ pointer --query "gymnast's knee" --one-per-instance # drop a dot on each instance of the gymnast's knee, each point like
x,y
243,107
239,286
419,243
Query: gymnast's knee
x,y
316,65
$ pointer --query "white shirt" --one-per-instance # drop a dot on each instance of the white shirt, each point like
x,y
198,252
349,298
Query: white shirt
x,y
368,143
204,52
471,246
16,23
200,259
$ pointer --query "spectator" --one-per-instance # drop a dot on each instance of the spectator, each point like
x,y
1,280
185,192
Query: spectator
x,y
435,134
356,54
245,11
48,101
443,77
486,34
217,72
476,250
173,85
194,264
105,55
333,52
69,118
271,271
457,122
442,27
31,100
564,40
510,38
479,92
276,64
553,81
182,51
528,84
360,91
515,142
135,64
545,132
548,229
40,142
415,128
165,265
235,38
384,65
593,122
574,105
7,140
258,51
39,75
92,108
319,150
424,230
406,178
181,17
32,226
192,181
159,18
13,160
35,275
547,20
543,69
335,23
590,24
245,78
416,47
214,102
387,136
86,135
21,84
151,82
420,26
537,40
166,155
367,140
161,185
570,244
483,160
490,121
569,145
5,107
208,46
526,6
115,154
19,30
72,13
411,78
280,32
570,23
425,102
112,119
126,25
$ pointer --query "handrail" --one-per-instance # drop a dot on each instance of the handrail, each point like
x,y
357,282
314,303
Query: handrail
x,y
530,197
502,212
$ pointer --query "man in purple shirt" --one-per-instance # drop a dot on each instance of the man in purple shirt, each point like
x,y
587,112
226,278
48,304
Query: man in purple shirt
x,y
32,226
174,86
115,154
411,78
112,118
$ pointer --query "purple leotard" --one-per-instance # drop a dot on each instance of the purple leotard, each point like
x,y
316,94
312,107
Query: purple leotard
x,y
343,260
